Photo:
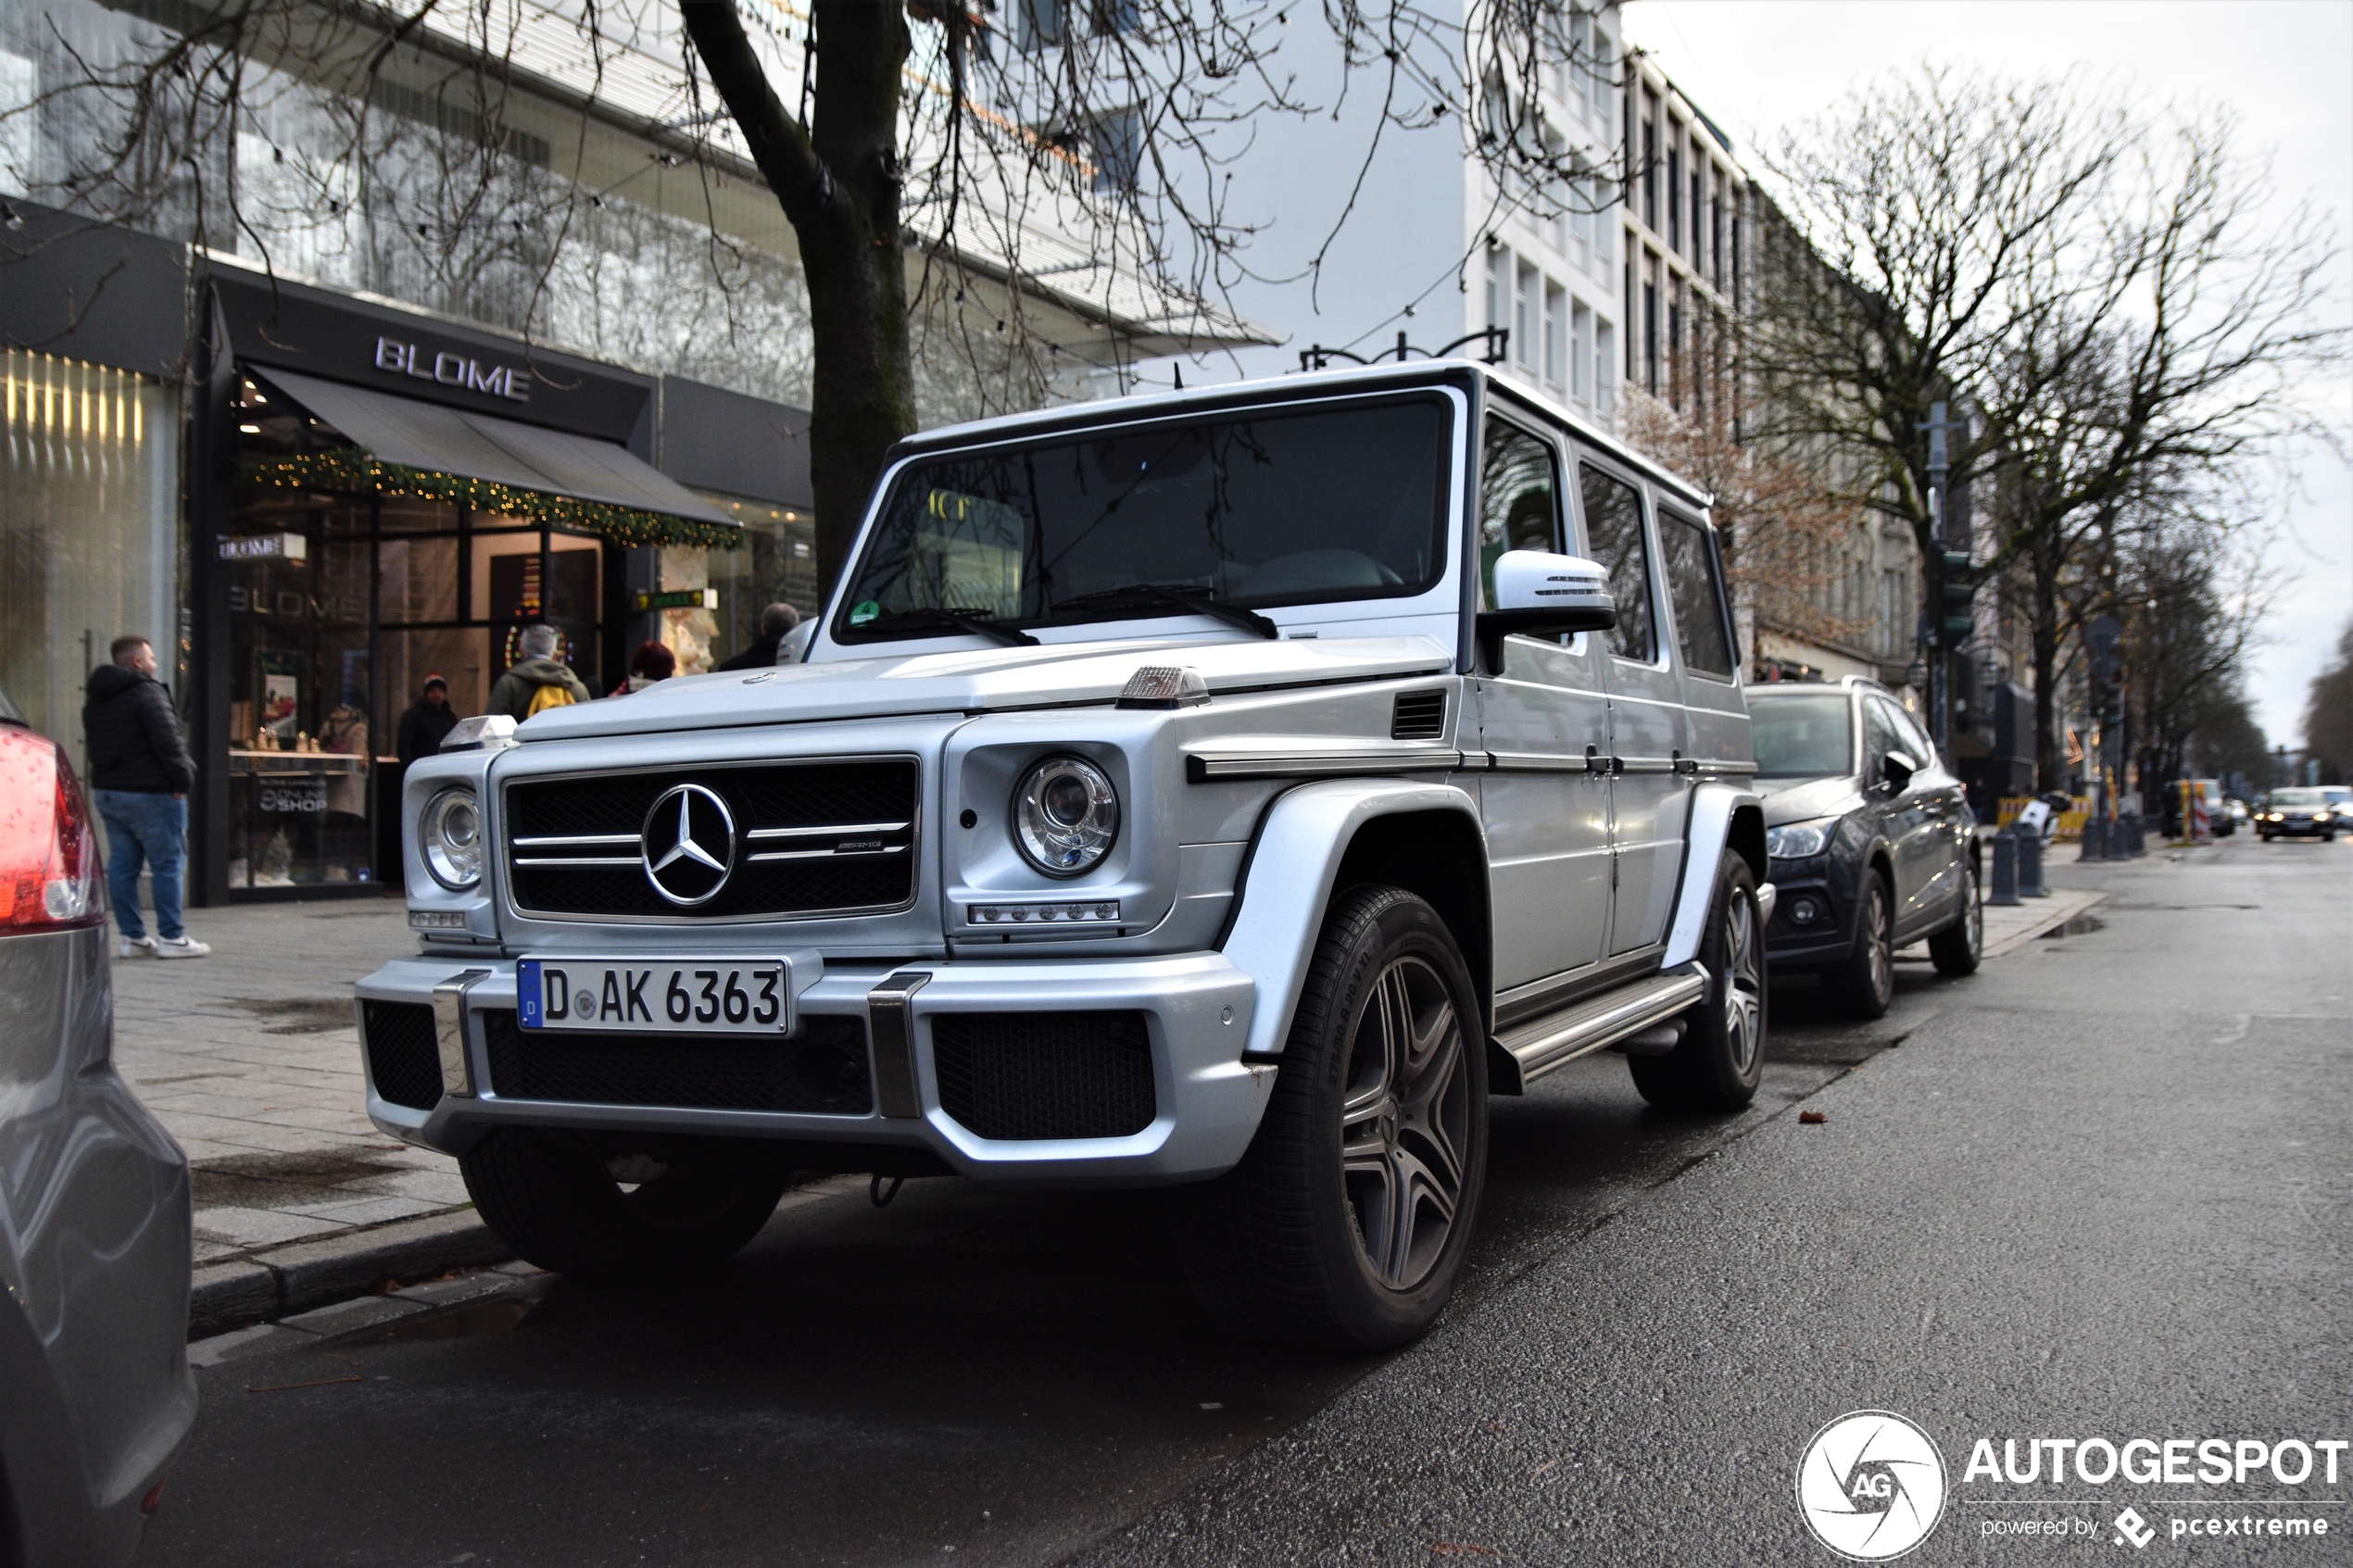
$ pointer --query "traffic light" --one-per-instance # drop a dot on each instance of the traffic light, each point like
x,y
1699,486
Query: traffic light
x,y
1953,591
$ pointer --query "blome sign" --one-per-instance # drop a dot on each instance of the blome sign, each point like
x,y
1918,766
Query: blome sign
x,y
1872,1485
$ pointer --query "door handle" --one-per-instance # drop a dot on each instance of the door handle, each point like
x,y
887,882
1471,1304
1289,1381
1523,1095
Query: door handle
x,y
1686,764
1595,763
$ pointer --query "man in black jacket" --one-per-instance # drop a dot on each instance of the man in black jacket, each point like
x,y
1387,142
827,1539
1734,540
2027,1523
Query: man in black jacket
x,y
428,723
141,773
776,623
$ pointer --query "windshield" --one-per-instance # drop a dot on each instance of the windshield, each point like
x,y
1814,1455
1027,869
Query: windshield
x,y
2283,798
1270,506
1807,736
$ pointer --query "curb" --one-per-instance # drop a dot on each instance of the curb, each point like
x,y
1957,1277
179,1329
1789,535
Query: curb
x,y
2066,904
281,1281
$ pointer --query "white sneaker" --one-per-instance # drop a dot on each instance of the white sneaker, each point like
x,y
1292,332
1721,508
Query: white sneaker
x,y
179,948
134,946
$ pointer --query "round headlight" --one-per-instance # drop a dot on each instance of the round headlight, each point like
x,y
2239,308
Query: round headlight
x,y
449,835
1065,816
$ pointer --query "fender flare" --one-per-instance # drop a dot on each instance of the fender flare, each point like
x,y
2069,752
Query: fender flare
x,y
1289,884
1708,830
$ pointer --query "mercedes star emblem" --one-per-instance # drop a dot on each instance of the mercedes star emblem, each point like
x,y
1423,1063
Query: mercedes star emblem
x,y
689,845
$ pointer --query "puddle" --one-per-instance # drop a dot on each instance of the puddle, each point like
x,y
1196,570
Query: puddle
x,y
2077,925
272,1181
475,1320
301,1015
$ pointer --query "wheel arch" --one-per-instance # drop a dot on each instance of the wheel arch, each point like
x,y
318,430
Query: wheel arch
x,y
1310,836
1439,857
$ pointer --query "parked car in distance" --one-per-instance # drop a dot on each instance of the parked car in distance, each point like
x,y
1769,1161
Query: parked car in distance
x,y
2300,813
1872,844
95,1394
1225,791
2236,813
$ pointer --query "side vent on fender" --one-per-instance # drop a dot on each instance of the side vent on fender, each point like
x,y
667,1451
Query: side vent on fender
x,y
1418,716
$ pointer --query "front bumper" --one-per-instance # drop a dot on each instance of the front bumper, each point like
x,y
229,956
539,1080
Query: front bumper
x,y
1197,1010
2294,827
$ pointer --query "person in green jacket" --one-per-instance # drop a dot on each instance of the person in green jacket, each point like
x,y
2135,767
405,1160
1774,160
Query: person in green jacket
x,y
541,680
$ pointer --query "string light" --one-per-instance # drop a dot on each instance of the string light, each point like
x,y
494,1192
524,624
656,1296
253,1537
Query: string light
x,y
353,468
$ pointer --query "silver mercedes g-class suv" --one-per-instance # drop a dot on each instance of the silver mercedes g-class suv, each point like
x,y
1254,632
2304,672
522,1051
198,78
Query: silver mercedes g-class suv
x,y
1225,791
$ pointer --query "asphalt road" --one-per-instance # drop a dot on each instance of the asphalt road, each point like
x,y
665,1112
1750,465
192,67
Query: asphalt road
x,y
2101,1189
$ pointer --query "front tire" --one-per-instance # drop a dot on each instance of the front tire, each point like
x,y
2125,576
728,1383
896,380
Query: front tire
x,y
1721,1058
1865,984
1345,1226
1957,949
561,1202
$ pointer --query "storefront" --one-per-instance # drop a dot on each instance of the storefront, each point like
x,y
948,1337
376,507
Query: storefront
x,y
394,496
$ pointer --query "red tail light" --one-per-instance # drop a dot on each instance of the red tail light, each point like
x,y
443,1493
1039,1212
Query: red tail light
x,y
51,878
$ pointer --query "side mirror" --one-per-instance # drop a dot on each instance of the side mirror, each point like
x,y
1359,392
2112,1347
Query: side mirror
x,y
793,647
1542,594
1897,770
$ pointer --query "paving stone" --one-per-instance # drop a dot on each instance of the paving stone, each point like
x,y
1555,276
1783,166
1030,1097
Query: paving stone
x,y
351,1316
229,1294
240,1343
259,1227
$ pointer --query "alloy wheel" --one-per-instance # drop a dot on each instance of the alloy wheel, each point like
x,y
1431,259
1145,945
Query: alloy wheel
x,y
1405,1123
1882,954
1744,986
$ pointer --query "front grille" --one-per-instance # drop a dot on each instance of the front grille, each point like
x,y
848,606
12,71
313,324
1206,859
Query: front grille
x,y
821,1070
1418,716
1022,1075
810,839
404,1058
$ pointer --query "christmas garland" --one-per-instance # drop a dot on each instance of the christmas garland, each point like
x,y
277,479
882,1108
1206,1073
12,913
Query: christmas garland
x,y
353,468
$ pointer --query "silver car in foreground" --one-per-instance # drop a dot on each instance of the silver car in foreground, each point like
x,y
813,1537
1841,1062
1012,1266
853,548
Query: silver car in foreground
x,y
1226,792
95,1394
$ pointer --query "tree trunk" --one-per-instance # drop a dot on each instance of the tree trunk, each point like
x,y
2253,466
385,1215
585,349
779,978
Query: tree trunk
x,y
839,181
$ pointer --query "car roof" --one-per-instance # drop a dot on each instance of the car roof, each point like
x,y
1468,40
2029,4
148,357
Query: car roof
x,y
1458,373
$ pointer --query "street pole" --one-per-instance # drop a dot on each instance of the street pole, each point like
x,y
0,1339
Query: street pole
x,y
1940,666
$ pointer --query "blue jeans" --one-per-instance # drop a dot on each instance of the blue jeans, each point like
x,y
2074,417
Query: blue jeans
x,y
153,828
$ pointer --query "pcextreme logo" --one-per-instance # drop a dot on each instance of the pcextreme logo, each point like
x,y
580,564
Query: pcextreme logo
x,y
1871,1486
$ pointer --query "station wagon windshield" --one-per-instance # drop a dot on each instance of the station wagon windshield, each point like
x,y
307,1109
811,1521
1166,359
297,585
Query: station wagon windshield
x,y
1267,507
1801,737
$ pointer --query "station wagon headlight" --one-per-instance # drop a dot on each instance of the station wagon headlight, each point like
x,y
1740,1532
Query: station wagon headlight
x,y
450,836
1065,816
1795,841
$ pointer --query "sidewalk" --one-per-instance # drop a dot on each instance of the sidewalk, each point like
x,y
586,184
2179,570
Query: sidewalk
x,y
251,1060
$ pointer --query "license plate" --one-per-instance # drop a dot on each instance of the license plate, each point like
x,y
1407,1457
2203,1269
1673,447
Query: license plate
x,y
669,997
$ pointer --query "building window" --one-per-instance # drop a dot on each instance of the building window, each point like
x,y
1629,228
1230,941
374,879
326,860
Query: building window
x,y
1556,307
1037,23
1736,255
1716,240
1650,173
1118,142
1650,335
1675,348
1580,348
1604,367
1497,260
1695,224
1604,79
1527,300
1674,190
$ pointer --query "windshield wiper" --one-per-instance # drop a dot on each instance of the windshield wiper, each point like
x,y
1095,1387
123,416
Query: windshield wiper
x,y
1011,636
1175,598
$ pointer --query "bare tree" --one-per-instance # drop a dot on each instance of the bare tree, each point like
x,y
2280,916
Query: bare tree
x,y
2103,298
2328,712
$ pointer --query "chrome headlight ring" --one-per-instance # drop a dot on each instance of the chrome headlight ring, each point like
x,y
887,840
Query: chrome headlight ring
x,y
450,838
1065,816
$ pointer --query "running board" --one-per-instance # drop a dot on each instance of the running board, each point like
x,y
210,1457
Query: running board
x,y
1533,1050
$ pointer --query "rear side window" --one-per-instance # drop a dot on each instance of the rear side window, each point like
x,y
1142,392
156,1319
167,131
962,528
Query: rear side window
x,y
1614,535
1700,623
1518,499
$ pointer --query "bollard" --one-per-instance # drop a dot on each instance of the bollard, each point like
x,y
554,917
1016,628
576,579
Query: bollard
x,y
2004,869
2134,835
2029,866
2094,839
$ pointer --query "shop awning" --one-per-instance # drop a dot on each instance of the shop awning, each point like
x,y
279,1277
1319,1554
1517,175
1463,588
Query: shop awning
x,y
435,438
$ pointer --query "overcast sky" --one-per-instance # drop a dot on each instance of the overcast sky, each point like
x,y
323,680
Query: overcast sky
x,y
2284,66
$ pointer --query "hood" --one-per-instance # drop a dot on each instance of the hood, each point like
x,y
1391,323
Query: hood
x,y
978,681
111,680
541,672
1800,800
